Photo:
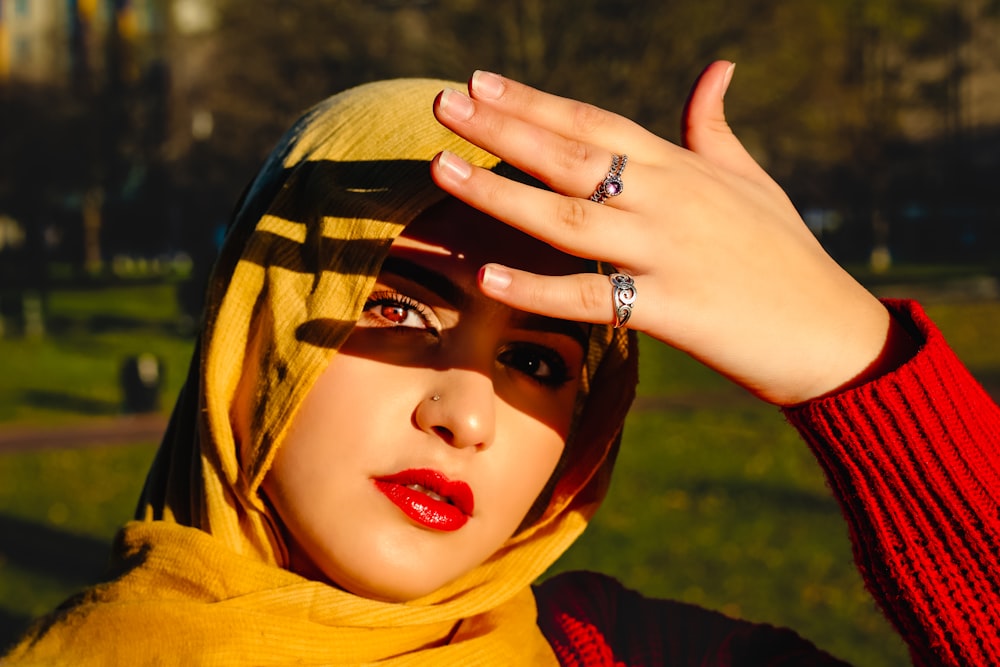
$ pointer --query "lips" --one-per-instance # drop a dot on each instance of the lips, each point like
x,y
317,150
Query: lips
x,y
429,498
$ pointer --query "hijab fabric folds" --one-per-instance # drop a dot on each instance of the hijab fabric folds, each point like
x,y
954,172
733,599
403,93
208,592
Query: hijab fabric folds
x,y
198,577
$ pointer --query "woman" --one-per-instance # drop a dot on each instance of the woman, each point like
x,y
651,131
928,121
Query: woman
x,y
402,410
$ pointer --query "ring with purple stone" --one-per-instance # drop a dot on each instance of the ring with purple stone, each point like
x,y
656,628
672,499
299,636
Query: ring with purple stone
x,y
612,185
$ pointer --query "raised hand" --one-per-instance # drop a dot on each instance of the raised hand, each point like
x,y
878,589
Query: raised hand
x,y
724,267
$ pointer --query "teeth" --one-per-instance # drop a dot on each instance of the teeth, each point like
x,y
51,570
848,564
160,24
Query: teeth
x,y
427,492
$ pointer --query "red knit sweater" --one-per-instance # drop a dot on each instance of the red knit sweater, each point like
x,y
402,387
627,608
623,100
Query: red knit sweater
x,y
914,459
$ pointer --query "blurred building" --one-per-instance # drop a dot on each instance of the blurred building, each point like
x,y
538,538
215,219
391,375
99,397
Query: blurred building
x,y
965,77
51,41
159,110
27,32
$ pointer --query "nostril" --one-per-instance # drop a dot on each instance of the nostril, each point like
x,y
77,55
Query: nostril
x,y
445,434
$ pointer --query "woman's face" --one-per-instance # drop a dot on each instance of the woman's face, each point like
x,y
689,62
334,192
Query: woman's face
x,y
420,449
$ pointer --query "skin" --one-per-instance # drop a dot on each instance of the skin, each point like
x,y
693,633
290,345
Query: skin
x,y
725,268
500,424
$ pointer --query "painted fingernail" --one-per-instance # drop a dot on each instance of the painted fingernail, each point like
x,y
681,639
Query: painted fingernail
x,y
494,278
456,105
727,79
455,166
487,84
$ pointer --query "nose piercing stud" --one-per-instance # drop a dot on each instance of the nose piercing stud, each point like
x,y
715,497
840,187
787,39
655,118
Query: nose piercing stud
x,y
436,397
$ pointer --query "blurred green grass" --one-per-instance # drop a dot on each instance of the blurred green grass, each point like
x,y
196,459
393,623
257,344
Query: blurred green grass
x,y
73,371
715,500
59,509
724,507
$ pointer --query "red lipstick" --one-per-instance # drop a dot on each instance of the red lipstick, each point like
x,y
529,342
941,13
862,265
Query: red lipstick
x,y
429,498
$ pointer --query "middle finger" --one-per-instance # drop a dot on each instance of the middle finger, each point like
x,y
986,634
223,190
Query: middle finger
x,y
572,225
566,165
567,117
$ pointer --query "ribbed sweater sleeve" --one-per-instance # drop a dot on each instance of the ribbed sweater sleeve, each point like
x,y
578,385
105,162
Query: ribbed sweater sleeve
x,y
914,459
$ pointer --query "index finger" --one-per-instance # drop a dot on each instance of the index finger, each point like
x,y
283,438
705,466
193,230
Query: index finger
x,y
569,118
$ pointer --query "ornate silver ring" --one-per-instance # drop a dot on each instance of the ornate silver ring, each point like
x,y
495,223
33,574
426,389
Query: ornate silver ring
x,y
623,296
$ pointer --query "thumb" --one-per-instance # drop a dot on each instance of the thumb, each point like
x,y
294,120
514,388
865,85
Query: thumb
x,y
705,130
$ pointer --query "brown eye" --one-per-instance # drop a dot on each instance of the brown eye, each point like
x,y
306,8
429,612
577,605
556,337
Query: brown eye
x,y
397,311
395,314
539,363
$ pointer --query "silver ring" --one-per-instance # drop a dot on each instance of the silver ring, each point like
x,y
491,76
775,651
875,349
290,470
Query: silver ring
x,y
612,185
623,295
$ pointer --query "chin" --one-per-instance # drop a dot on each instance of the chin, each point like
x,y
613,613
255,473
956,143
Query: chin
x,y
403,586
388,591
397,576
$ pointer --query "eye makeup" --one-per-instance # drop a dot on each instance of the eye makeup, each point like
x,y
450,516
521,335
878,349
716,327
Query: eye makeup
x,y
392,309
458,298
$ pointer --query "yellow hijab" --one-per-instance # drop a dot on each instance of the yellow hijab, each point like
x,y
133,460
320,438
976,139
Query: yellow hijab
x,y
198,578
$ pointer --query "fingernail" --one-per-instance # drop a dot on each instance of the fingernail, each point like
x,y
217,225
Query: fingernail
x,y
494,278
458,168
727,79
456,105
487,84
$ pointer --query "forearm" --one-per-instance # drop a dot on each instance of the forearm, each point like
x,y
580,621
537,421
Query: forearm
x,y
914,459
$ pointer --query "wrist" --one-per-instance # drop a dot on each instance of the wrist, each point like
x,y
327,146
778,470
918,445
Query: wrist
x,y
897,346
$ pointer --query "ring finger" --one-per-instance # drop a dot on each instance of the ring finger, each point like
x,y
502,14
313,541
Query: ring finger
x,y
585,297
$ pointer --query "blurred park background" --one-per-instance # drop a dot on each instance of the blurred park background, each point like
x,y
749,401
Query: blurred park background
x,y
128,128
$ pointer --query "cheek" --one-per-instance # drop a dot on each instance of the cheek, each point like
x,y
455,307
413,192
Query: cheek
x,y
533,451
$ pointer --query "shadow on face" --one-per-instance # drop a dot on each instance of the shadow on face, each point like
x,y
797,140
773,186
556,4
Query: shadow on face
x,y
427,310
435,376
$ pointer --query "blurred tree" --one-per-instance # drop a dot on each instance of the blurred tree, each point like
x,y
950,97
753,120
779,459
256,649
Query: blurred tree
x,y
269,60
839,68
822,95
829,95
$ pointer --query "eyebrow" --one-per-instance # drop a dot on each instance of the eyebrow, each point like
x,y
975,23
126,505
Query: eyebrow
x,y
578,331
432,280
457,298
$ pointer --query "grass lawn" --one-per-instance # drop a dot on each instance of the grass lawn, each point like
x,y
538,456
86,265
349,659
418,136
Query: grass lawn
x,y
73,371
715,500
723,506
59,509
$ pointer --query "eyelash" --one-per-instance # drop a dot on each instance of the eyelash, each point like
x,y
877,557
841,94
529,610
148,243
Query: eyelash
x,y
558,372
397,300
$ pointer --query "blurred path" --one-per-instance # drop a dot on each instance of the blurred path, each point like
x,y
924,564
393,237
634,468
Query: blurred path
x,y
150,427
120,430
958,290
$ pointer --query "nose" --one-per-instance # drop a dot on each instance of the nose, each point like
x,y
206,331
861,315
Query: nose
x,y
461,410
